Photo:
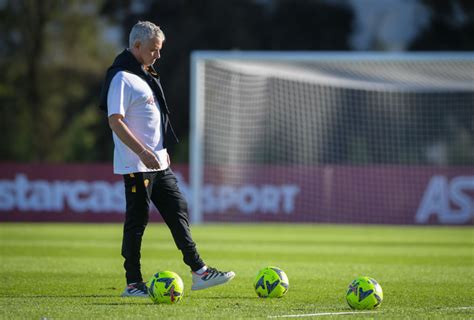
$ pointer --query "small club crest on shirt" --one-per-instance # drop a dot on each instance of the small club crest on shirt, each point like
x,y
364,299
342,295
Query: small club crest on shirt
x,y
150,100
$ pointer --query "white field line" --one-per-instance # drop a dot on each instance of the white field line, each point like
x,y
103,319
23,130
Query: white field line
x,y
354,313
456,308
320,314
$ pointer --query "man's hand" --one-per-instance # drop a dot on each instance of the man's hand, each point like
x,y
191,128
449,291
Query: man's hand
x,y
149,159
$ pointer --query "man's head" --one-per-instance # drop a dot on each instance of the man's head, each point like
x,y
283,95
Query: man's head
x,y
145,42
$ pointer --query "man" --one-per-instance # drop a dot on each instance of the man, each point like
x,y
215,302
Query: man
x,y
139,118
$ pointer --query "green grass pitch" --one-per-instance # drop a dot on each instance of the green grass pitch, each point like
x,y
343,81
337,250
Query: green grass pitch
x,y
74,271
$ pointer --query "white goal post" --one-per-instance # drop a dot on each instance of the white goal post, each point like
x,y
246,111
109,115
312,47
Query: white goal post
x,y
337,137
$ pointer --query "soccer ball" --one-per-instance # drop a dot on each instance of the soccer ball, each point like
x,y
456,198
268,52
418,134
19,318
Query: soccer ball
x,y
165,287
271,282
364,293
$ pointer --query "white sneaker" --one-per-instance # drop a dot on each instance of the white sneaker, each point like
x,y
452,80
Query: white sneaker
x,y
210,278
138,289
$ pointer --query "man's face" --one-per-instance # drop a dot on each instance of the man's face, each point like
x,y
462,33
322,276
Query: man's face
x,y
147,53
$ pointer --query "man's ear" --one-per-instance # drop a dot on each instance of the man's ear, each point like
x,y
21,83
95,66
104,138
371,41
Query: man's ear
x,y
137,45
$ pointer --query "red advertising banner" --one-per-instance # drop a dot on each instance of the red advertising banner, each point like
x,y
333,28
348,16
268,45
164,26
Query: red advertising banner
x,y
341,194
41,192
327,194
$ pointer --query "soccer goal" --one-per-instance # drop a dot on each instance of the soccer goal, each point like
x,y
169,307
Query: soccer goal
x,y
332,137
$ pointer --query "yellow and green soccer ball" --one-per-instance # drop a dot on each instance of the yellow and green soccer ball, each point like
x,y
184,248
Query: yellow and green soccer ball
x,y
364,293
271,282
165,287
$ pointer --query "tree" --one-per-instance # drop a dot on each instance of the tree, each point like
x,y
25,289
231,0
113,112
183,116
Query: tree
x,y
54,60
228,25
451,27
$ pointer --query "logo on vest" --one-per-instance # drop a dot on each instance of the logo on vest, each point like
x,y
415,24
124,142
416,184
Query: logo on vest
x,y
150,100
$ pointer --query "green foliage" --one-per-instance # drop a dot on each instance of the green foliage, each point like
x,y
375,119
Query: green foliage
x,y
54,59
74,271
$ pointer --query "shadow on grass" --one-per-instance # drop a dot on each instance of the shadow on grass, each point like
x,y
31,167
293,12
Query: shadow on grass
x,y
55,296
224,298
125,300
126,303
144,302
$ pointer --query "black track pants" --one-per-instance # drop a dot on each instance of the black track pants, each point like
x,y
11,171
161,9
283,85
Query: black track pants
x,y
162,189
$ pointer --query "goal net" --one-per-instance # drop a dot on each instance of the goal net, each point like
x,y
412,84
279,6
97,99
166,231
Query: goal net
x,y
334,137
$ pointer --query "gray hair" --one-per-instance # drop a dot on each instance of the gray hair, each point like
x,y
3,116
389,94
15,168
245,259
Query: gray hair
x,y
144,31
